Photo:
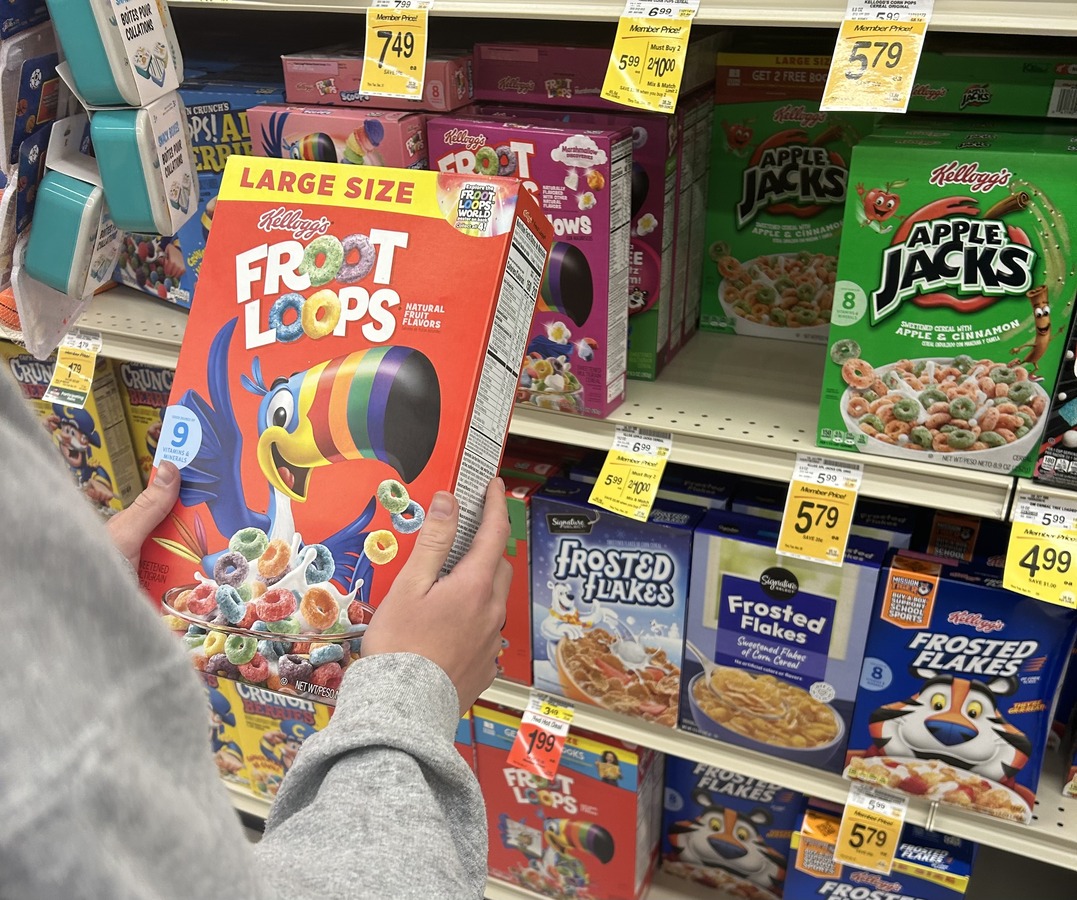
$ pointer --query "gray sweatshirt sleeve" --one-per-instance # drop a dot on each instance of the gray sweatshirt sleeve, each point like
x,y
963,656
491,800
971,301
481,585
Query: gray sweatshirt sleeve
x,y
107,785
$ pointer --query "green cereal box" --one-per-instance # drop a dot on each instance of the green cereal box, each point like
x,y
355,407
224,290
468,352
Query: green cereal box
x,y
778,181
954,294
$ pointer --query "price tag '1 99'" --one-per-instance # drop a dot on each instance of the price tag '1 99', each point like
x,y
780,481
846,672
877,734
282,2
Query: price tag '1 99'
x,y
541,737
629,479
1041,559
819,509
394,63
870,828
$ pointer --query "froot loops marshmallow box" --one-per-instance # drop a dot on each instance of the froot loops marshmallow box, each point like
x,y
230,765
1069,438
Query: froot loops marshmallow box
x,y
727,831
353,348
958,687
927,865
954,296
144,390
778,188
590,833
774,645
608,600
576,350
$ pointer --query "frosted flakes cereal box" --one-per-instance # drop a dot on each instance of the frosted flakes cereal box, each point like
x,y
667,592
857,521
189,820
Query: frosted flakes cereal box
x,y
958,686
144,390
590,833
93,441
354,348
955,291
608,599
727,831
773,645
777,194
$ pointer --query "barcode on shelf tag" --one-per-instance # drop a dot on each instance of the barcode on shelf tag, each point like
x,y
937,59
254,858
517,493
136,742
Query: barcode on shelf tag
x,y
870,828
889,10
83,339
642,441
1032,508
540,740
669,9
401,4
819,470
1063,100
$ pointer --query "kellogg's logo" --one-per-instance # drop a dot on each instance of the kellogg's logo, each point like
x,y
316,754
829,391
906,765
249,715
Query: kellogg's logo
x,y
876,881
929,93
976,95
970,175
976,621
464,138
515,83
293,222
800,115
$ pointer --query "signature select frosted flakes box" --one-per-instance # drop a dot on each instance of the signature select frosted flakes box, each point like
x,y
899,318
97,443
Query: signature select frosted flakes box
x,y
927,865
327,387
777,194
576,350
589,834
955,291
608,599
727,831
958,686
144,390
773,645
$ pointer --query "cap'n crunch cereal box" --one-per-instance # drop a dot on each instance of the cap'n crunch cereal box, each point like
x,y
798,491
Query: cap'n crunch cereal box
x,y
354,348
955,291
144,390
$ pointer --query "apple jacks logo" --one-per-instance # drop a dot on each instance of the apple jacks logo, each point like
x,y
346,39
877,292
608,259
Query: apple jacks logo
x,y
800,174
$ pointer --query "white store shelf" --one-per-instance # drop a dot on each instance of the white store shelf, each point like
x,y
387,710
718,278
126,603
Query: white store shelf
x,y
136,327
1033,17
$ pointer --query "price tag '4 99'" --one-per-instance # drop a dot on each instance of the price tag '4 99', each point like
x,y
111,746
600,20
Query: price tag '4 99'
x,y
1041,556
819,509
394,63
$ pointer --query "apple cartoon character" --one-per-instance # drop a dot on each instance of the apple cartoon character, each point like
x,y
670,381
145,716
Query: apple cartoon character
x,y
879,204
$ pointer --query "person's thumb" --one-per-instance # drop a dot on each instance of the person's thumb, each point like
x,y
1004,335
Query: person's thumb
x,y
130,528
433,543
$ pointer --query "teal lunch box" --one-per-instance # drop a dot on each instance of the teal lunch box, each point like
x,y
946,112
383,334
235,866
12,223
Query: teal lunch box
x,y
67,215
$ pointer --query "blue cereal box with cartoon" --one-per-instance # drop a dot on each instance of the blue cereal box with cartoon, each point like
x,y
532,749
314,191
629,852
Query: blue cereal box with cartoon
x,y
773,645
957,692
727,831
608,600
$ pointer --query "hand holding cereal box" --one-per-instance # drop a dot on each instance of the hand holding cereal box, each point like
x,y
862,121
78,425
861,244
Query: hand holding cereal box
x,y
955,290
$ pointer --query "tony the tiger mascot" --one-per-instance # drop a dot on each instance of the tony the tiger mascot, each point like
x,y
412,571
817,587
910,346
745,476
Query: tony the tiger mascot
x,y
957,721
725,839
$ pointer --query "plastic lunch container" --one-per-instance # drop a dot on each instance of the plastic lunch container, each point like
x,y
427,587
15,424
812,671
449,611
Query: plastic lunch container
x,y
61,243
92,41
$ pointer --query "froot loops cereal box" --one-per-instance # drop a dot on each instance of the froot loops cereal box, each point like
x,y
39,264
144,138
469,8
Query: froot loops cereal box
x,y
727,831
590,833
773,645
576,349
144,390
354,347
957,689
608,599
954,296
778,187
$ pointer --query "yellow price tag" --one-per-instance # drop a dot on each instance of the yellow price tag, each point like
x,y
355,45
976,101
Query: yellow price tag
x,y
394,62
628,482
875,58
1041,555
819,509
647,60
560,710
72,379
870,828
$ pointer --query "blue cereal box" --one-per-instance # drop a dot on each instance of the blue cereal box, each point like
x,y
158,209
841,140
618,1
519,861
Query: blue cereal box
x,y
608,598
927,865
727,831
957,693
780,640
167,267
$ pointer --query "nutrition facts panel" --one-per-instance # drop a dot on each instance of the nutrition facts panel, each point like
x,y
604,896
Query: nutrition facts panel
x,y
620,213
497,383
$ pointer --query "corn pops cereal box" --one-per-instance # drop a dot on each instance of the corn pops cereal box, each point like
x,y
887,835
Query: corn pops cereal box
x,y
354,348
576,349
958,686
727,831
93,441
144,390
608,601
777,192
590,833
954,295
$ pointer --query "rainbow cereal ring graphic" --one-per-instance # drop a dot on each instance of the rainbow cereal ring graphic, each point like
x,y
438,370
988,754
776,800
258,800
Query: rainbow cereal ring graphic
x,y
567,286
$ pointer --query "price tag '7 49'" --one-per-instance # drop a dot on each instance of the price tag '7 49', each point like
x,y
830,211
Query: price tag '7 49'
x,y
394,63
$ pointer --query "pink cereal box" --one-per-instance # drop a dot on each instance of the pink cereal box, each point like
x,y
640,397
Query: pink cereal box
x,y
576,350
331,76
358,137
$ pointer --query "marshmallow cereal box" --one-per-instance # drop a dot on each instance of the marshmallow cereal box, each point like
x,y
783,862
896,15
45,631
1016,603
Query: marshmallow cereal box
x,y
590,833
608,599
576,350
958,686
954,295
354,347
144,390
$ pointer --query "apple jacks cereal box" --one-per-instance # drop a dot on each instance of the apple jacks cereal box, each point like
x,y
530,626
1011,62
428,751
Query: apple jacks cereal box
x,y
727,831
955,291
773,645
144,390
957,690
591,833
777,191
354,348
608,599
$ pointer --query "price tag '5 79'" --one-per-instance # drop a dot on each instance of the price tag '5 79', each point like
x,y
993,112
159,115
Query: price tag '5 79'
x,y
819,509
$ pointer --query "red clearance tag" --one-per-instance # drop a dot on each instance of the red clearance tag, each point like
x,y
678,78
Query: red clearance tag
x,y
540,739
